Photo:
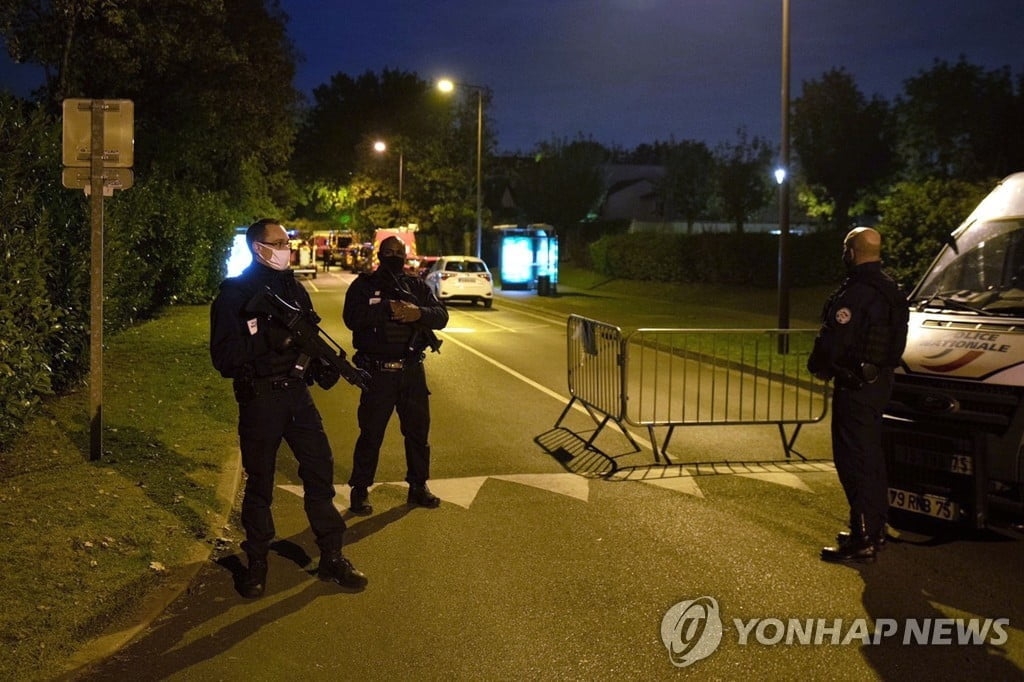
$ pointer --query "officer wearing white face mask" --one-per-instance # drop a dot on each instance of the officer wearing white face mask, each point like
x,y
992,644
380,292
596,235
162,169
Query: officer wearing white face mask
x,y
274,404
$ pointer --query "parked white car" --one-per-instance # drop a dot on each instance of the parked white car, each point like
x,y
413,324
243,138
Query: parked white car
x,y
461,278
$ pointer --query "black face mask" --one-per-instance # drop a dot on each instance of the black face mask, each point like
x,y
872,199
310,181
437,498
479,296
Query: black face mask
x,y
393,264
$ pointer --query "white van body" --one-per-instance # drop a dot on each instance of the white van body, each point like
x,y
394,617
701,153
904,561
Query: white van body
x,y
954,429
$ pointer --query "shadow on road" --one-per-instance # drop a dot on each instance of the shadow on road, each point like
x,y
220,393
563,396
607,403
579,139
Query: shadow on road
x,y
167,647
910,585
573,452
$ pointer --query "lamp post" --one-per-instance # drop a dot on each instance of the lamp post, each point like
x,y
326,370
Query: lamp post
x,y
782,176
446,85
380,147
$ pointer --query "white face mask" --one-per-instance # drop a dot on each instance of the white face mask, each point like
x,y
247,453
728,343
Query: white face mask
x,y
277,259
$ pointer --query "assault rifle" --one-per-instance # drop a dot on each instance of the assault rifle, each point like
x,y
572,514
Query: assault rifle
x,y
313,342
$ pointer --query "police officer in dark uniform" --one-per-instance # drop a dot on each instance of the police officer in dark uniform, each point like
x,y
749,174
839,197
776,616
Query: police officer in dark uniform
x,y
863,333
274,403
392,317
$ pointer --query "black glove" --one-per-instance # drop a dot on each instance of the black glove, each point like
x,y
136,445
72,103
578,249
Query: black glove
x,y
326,374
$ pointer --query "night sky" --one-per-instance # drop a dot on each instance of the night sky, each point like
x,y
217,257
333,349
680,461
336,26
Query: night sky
x,y
626,72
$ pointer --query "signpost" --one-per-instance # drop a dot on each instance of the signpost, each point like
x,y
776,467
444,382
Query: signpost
x,y
98,152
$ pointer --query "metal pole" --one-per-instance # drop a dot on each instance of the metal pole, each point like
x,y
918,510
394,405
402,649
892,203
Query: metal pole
x,y
96,279
784,188
479,161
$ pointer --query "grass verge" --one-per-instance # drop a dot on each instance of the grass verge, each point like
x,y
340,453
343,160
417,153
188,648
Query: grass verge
x,y
632,304
84,542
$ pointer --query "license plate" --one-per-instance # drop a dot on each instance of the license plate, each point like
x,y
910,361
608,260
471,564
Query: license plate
x,y
467,280
929,505
937,461
962,464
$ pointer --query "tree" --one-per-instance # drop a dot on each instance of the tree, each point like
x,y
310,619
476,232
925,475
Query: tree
x,y
347,111
960,121
688,184
741,177
563,182
211,80
917,218
842,141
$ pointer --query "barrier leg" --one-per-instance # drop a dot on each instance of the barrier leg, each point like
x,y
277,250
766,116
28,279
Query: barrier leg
x,y
787,443
564,412
659,451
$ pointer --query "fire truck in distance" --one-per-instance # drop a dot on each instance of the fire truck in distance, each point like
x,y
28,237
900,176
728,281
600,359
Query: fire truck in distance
x,y
329,246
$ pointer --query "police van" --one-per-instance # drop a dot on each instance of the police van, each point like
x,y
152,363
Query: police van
x,y
953,433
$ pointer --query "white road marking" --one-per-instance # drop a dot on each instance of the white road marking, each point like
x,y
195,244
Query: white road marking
x,y
780,478
681,479
540,387
571,485
505,368
551,318
490,322
681,484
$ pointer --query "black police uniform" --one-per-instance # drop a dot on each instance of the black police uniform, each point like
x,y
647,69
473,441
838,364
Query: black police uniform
x,y
392,353
273,403
863,334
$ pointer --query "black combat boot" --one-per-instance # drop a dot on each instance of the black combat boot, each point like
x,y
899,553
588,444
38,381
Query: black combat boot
x,y
336,568
359,502
859,548
254,583
844,537
420,495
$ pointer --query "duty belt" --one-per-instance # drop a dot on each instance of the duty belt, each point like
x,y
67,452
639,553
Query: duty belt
x,y
385,365
280,383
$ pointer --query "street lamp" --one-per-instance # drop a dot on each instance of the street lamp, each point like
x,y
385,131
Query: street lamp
x,y
782,176
446,85
380,147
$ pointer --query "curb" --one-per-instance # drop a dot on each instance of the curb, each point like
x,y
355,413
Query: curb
x,y
156,602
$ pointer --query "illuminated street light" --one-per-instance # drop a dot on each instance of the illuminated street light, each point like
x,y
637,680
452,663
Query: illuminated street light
x,y
380,147
784,188
446,85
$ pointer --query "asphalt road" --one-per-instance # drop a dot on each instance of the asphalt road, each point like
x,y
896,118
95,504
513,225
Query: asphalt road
x,y
541,565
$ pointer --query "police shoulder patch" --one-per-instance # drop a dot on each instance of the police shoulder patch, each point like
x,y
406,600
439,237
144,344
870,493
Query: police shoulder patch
x,y
843,315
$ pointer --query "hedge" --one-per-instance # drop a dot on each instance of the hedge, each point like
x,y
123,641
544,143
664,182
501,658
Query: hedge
x,y
163,244
749,259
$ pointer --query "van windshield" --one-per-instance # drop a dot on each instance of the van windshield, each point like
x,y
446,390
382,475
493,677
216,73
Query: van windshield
x,y
985,273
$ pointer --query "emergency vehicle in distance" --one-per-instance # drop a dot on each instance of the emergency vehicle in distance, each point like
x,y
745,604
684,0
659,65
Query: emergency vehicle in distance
x,y
953,432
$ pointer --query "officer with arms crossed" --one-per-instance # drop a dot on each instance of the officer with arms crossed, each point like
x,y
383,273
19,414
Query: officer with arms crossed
x,y
863,333
392,317
271,385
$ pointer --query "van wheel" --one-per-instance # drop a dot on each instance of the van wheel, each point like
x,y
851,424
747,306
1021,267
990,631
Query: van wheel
x,y
488,302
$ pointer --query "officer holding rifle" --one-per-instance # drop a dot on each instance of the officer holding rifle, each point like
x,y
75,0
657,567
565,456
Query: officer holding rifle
x,y
392,317
263,336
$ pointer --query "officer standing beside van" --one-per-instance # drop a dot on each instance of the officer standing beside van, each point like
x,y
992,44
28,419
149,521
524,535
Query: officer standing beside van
x,y
863,334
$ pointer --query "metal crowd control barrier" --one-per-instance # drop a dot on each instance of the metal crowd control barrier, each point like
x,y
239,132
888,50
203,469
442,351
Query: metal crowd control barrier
x,y
688,377
685,377
597,373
